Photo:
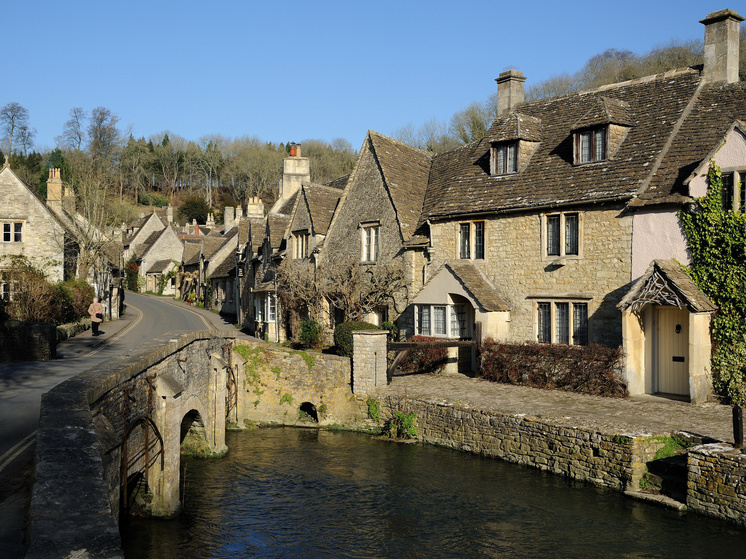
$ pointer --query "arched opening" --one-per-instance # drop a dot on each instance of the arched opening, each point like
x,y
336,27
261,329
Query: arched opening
x,y
193,440
308,412
142,449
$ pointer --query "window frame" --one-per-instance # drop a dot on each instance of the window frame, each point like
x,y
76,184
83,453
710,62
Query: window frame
x,y
455,320
370,234
472,246
504,157
595,135
301,240
562,321
11,231
562,235
733,191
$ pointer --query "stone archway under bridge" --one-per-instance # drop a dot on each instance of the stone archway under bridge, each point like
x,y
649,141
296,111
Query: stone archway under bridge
x,y
666,334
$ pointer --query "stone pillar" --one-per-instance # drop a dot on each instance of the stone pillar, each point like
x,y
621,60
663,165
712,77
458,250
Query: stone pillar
x,y
215,425
164,484
369,363
700,350
633,344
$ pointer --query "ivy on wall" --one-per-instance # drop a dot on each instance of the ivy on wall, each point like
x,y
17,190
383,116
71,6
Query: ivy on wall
x,y
717,241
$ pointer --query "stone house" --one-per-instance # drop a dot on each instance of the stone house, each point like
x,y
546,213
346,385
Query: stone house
x,y
375,223
56,238
566,201
156,258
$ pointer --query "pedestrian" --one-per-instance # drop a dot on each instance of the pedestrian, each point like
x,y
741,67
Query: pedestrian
x,y
97,315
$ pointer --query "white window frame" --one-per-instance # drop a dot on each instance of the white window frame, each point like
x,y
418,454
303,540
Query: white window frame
x,y
369,241
456,320
565,241
265,307
554,331
12,232
470,250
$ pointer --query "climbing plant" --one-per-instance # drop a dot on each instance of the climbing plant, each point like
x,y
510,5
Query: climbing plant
x,y
717,241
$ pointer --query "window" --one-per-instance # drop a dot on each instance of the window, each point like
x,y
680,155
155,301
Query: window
x,y
369,243
590,145
450,321
265,307
562,233
505,158
471,240
5,290
562,322
300,244
12,232
734,191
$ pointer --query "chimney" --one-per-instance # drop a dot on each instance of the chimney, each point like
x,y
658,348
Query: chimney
x,y
210,220
54,190
296,170
255,208
228,217
239,214
170,214
509,91
721,46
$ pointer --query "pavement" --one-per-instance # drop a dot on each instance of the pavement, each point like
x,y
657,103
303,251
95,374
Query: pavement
x,y
641,415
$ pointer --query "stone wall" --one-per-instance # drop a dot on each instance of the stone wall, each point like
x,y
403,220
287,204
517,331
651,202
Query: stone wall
x,y
24,341
716,484
516,264
610,460
276,382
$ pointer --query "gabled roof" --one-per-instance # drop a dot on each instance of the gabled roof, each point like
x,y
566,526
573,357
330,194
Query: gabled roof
x,y
712,113
478,285
666,283
288,205
256,231
225,268
192,251
339,182
405,172
321,202
652,107
516,126
160,266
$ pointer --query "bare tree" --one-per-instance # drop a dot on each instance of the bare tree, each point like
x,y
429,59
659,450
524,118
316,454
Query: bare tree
x,y
12,117
103,135
73,133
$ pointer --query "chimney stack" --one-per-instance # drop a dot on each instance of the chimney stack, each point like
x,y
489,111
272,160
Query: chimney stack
x,y
721,46
509,91
54,190
255,207
170,214
228,217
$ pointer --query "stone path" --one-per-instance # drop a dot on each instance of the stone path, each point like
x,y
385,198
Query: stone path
x,y
637,415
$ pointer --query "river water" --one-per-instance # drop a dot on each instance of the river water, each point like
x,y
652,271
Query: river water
x,y
284,492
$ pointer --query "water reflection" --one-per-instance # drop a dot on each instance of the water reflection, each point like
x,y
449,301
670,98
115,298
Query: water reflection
x,y
304,493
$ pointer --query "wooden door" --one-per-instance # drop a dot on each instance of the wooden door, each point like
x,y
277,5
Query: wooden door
x,y
673,351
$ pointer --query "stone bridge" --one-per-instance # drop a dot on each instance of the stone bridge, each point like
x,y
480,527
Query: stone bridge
x,y
110,439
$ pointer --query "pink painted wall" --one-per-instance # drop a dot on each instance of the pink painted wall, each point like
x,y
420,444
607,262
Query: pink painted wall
x,y
657,235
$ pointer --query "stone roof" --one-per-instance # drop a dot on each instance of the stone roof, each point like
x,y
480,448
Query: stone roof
x,y
192,251
277,224
713,112
256,228
210,245
160,266
478,285
666,283
339,182
288,205
321,202
460,181
405,172
516,126
227,266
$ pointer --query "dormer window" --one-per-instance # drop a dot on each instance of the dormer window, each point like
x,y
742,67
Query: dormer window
x,y
504,158
590,145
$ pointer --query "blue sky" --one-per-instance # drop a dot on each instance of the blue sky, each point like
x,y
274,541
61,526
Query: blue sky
x,y
289,71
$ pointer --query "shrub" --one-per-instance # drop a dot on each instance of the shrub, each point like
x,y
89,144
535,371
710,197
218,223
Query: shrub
x,y
131,271
82,295
152,199
401,426
591,369
343,335
311,334
424,360
392,328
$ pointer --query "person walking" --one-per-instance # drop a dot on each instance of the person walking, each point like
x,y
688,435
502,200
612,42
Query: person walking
x,y
97,315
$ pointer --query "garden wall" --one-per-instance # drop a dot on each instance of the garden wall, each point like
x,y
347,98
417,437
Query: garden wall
x,y
25,341
716,483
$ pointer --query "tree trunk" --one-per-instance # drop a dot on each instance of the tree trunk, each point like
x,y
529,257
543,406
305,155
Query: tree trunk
x,y
738,426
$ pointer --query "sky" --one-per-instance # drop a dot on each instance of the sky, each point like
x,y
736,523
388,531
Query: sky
x,y
292,71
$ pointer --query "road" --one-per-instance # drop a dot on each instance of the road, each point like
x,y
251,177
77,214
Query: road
x,y
22,385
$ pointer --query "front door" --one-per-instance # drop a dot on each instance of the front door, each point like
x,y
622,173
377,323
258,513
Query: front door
x,y
673,351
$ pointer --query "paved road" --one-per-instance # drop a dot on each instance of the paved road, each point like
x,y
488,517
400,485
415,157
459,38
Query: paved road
x,y
22,384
